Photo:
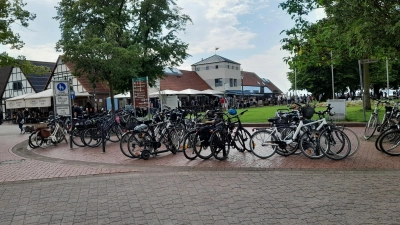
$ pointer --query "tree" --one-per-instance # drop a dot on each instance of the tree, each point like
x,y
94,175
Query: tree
x,y
115,41
12,12
367,28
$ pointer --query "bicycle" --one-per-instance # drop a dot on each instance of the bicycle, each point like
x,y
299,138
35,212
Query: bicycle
x,y
373,123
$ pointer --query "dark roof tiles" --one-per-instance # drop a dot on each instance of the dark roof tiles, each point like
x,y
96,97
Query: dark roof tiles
x,y
214,59
4,75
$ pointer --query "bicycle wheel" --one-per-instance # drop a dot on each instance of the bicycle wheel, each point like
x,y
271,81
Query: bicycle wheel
x,y
220,144
202,149
115,133
77,137
385,138
188,144
354,140
289,149
370,127
309,144
242,139
174,139
32,140
92,137
138,142
124,143
260,144
334,143
390,147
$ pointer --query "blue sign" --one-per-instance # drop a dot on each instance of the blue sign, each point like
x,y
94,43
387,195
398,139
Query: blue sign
x,y
61,87
72,94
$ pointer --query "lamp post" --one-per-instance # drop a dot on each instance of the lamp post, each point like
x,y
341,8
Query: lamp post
x,y
242,76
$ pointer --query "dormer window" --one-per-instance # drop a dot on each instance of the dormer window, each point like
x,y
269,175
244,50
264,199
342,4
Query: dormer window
x,y
216,67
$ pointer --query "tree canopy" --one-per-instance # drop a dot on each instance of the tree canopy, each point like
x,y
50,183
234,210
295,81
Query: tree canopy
x,y
115,41
352,29
12,12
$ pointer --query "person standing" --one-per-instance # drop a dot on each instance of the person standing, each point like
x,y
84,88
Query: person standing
x,y
1,117
20,117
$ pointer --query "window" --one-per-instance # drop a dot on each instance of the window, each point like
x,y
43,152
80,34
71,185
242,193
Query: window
x,y
207,67
228,66
231,82
216,67
198,69
218,82
237,68
17,85
235,82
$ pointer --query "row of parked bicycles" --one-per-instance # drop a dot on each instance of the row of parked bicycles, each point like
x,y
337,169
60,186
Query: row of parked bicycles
x,y
203,136
388,128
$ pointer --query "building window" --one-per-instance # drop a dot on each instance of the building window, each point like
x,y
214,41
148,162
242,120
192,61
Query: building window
x,y
198,69
230,82
235,82
228,66
237,68
216,67
17,85
207,67
218,82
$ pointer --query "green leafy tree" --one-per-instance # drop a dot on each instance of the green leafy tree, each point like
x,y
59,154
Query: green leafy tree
x,y
366,28
115,41
12,12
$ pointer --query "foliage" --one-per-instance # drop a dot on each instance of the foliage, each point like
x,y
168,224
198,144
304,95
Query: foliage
x,y
353,29
12,12
117,40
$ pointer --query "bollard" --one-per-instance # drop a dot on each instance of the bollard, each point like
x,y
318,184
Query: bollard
x,y
103,139
70,139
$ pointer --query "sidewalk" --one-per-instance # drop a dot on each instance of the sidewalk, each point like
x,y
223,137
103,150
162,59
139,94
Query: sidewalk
x,y
19,163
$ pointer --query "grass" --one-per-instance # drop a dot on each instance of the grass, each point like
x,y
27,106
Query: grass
x,y
261,114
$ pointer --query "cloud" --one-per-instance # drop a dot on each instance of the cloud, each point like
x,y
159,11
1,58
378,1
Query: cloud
x,y
269,65
216,23
45,52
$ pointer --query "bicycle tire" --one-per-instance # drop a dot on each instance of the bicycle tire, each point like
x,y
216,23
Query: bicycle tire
x,y
203,150
353,137
220,145
123,145
31,140
138,142
370,127
174,139
188,145
391,147
309,144
241,140
386,138
287,134
260,144
92,137
334,143
77,137
115,134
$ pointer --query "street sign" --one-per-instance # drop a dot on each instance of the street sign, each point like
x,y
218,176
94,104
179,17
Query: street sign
x,y
61,98
369,60
72,94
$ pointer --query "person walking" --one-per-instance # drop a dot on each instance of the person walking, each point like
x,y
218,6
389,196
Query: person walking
x,y
20,120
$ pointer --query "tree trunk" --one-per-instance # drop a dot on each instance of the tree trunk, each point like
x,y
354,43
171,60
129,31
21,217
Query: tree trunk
x,y
112,99
366,97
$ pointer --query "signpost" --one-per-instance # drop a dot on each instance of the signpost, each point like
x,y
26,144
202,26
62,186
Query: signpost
x,y
140,94
62,102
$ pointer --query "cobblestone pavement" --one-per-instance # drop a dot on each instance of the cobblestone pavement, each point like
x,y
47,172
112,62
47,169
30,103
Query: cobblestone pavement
x,y
46,186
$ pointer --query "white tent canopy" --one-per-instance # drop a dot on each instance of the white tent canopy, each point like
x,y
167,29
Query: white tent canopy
x,y
126,95
164,92
190,91
17,102
211,92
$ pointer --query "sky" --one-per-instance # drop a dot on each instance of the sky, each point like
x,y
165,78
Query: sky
x,y
245,31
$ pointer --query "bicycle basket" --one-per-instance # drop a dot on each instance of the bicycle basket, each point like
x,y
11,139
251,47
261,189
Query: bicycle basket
x,y
307,112
45,133
388,108
205,134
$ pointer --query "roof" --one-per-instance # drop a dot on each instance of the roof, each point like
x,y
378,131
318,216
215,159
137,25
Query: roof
x,y
4,75
101,88
38,82
252,79
214,59
189,79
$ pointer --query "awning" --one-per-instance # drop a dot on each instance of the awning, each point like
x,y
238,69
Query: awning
x,y
17,102
189,92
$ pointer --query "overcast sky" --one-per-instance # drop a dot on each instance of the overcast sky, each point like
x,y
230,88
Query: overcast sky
x,y
245,31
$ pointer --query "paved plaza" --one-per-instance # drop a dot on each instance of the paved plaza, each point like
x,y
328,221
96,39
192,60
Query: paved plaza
x,y
58,185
